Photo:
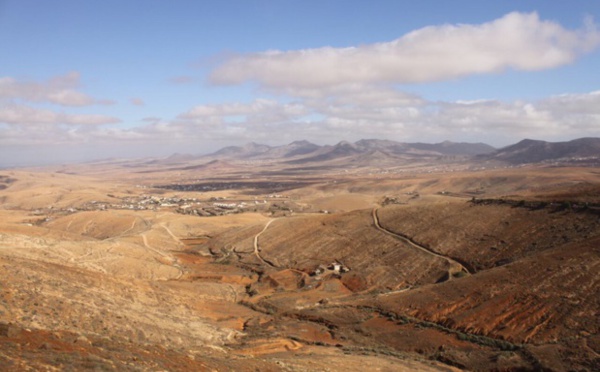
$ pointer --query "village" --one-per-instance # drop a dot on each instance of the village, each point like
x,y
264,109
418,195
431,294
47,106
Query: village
x,y
273,204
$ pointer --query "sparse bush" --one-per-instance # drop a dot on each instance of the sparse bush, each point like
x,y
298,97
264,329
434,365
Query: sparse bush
x,y
460,274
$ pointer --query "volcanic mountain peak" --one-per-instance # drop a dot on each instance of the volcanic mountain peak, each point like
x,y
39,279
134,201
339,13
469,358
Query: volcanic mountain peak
x,y
302,143
297,148
379,144
345,148
249,149
256,147
345,144
533,151
524,145
525,151
454,148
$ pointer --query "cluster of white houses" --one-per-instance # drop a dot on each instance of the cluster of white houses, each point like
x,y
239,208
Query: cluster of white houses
x,y
214,206
333,268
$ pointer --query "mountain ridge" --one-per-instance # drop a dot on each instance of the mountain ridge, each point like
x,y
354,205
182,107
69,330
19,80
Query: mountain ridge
x,y
301,152
536,151
317,153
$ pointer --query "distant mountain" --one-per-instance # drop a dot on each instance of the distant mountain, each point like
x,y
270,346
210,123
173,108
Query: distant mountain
x,y
456,148
534,151
253,150
300,148
178,158
378,149
294,149
376,144
216,165
443,148
300,155
326,153
249,150
383,146
301,152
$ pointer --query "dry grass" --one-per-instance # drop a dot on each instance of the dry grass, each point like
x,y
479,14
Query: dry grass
x,y
130,282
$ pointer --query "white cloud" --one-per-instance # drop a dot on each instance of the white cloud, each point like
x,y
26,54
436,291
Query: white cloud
x,y
60,90
24,124
516,41
67,97
29,116
574,104
355,117
261,111
495,118
402,118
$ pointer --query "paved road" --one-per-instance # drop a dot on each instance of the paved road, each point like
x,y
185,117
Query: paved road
x,y
451,261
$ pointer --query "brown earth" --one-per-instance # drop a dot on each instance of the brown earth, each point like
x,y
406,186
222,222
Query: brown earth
x,y
436,283
486,236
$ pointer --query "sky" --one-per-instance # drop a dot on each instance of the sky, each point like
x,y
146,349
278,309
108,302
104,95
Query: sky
x,y
84,80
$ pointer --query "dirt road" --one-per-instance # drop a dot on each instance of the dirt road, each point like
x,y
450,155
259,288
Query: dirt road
x,y
257,250
408,241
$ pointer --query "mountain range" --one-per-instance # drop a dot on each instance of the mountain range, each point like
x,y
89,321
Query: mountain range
x,y
535,151
310,152
304,152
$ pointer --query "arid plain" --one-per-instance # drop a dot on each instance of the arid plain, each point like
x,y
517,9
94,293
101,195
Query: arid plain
x,y
424,262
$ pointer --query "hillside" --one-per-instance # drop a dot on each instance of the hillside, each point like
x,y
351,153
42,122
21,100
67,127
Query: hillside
x,y
534,151
251,264
496,275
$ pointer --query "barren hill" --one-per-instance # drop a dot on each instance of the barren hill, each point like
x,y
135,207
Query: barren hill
x,y
503,274
422,262
534,151
303,152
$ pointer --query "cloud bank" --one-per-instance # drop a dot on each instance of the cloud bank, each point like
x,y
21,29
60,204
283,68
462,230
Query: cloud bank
x,y
329,94
30,116
371,114
516,41
60,90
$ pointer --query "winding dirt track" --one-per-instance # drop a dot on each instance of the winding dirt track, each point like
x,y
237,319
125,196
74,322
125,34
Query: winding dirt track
x,y
163,254
451,261
175,238
256,250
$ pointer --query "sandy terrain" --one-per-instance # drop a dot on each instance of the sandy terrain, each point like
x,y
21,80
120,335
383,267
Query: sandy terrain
x,y
403,272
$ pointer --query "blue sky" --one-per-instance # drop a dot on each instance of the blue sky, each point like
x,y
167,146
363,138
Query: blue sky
x,y
94,79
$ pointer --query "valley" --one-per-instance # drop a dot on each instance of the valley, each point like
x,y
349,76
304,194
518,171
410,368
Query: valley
x,y
319,260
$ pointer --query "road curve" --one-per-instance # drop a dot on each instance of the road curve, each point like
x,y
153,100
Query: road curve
x,y
415,245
